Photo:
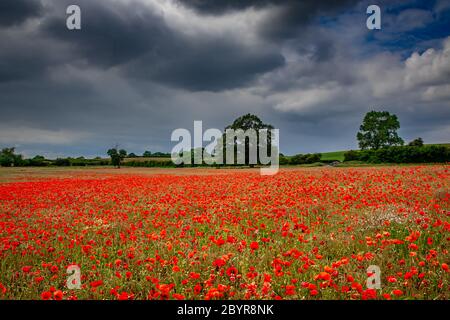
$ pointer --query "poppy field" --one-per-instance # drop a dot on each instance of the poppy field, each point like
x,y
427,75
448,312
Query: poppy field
x,y
308,233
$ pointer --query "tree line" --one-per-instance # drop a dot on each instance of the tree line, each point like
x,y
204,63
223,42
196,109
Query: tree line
x,y
378,140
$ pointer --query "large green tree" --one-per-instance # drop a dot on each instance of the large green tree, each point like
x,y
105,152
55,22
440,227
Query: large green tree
x,y
246,122
379,130
117,156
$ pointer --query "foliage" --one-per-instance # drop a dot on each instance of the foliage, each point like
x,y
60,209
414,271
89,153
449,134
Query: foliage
x,y
379,130
305,158
351,155
416,143
8,158
402,154
247,122
117,156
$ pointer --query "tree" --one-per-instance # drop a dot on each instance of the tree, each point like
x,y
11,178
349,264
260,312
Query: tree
x,y
247,122
379,130
8,157
132,155
416,143
117,156
147,154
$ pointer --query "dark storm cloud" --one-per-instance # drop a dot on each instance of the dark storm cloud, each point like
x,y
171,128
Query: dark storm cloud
x,y
202,67
287,19
218,7
132,75
290,20
112,33
13,12
140,43
27,56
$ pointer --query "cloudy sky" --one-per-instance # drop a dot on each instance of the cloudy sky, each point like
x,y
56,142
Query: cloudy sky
x,y
139,69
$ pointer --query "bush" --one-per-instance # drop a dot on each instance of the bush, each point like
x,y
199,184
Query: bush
x,y
403,154
305,158
351,155
62,162
149,163
38,161
284,160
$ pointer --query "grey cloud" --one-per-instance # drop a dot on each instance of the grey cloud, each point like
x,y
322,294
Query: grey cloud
x,y
131,76
14,12
222,6
286,20
143,45
202,67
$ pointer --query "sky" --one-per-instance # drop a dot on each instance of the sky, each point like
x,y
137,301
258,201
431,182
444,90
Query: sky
x,y
139,69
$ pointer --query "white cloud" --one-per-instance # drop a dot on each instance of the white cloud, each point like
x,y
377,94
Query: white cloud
x,y
429,68
307,98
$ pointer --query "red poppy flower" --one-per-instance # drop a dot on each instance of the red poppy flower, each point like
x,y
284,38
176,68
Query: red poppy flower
x,y
26,269
397,292
219,263
254,245
313,292
97,283
58,295
46,295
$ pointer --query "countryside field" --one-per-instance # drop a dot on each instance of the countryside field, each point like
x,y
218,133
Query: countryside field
x,y
305,233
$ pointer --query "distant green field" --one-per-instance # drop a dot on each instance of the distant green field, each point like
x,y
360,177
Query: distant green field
x,y
335,155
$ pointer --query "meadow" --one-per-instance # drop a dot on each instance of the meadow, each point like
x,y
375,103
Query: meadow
x,y
305,233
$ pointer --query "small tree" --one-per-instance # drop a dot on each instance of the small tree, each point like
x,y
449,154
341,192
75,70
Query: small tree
x,y
8,157
416,143
117,156
147,154
379,130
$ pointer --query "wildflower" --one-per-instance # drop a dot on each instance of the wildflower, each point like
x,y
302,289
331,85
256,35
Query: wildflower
x,y
46,295
26,269
254,245
397,292
58,295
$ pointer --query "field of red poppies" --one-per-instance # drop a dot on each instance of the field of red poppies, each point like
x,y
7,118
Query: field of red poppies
x,y
302,234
